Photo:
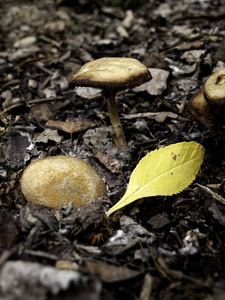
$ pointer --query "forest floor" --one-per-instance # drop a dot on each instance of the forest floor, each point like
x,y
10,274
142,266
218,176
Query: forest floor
x,y
160,248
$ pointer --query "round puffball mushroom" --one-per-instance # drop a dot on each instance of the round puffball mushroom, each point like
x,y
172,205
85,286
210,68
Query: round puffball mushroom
x,y
208,106
112,74
58,180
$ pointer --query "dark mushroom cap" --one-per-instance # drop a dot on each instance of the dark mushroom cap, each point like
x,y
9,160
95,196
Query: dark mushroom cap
x,y
113,73
214,88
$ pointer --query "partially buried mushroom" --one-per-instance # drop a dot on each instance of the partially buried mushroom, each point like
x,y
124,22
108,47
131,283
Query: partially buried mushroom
x,y
201,110
56,181
214,88
112,74
208,106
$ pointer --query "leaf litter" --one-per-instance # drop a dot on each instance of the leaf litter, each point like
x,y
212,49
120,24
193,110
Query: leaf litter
x,y
159,248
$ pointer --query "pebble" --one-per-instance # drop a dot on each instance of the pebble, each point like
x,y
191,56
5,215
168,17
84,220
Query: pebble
x,y
25,42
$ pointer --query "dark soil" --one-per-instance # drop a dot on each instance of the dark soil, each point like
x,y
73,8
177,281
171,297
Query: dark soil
x,y
160,248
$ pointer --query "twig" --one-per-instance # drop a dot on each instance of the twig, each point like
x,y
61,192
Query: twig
x,y
11,82
11,107
41,254
44,69
213,194
36,101
48,40
150,115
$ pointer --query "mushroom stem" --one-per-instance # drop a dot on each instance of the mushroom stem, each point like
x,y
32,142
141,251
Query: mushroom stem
x,y
115,121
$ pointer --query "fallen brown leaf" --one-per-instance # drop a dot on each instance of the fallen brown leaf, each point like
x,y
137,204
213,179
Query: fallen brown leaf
x,y
70,126
111,273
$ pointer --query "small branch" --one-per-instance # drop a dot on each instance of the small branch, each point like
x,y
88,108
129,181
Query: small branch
x,y
12,107
213,194
35,101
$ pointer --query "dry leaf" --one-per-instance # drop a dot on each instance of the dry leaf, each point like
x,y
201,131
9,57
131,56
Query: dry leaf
x,y
110,273
22,280
163,172
48,135
70,126
110,163
158,116
157,85
87,92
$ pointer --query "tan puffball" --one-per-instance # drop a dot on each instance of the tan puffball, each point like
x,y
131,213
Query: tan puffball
x,y
56,181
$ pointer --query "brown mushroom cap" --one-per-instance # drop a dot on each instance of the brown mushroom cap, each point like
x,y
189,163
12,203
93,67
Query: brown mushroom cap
x,y
214,88
112,73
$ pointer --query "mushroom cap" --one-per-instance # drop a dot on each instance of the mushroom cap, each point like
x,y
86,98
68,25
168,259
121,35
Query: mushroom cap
x,y
112,73
214,88
57,180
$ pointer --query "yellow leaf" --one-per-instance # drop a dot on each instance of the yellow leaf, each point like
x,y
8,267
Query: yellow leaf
x,y
163,172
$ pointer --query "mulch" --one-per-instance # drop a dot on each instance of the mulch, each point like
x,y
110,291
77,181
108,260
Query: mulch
x,y
157,248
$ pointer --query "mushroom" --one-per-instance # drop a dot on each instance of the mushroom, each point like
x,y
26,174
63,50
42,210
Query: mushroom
x,y
201,110
214,88
208,106
56,181
112,74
